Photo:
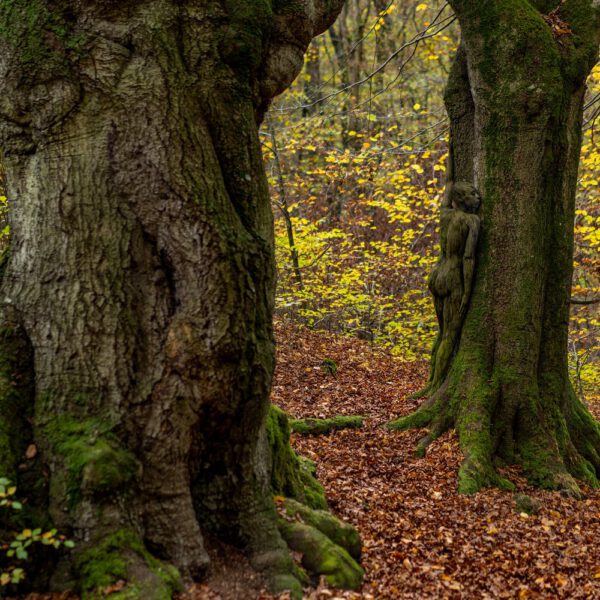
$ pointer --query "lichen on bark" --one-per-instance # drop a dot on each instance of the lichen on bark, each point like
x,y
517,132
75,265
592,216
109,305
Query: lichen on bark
x,y
39,35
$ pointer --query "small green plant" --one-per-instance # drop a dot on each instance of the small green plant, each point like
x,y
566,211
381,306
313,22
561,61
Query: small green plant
x,y
14,546
329,366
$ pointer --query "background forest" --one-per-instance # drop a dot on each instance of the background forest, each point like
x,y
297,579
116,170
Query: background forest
x,y
356,154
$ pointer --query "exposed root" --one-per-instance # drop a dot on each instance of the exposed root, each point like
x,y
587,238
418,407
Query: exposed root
x,y
474,428
184,546
475,475
422,417
120,567
584,433
324,426
438,427
328,546
434,414
497,420
291,476
337,531
322,556
281,572
422,393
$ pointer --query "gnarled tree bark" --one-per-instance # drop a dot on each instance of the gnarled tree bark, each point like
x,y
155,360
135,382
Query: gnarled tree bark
x,y
141,272
515,103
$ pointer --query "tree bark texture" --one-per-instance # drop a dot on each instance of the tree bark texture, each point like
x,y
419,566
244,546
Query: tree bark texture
x,y
140,278
515,102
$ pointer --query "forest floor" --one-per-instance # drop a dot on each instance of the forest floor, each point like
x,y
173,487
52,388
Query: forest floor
x,y
421,539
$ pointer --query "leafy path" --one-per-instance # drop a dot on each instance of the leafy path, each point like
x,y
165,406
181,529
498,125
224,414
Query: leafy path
x,y
421,539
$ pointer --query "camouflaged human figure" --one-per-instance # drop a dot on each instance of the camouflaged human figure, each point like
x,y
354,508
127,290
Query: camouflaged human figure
x,y
451,280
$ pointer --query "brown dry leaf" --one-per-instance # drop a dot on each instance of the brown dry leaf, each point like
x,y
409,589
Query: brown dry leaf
x,y
115,587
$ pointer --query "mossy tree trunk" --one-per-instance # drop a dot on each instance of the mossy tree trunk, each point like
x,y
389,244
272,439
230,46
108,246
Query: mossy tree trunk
x,y
140,278
515,102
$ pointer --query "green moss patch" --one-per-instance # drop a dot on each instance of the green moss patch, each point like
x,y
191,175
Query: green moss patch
x,y
311,426
291,476
94,458
337,531
322,556
122,556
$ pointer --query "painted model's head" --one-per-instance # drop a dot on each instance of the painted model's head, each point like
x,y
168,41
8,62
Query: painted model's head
x,y
465,197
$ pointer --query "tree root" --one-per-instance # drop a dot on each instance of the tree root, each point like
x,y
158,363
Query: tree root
x,y
321,556
497,420
311,426
120,568
337,531
291,476
329,546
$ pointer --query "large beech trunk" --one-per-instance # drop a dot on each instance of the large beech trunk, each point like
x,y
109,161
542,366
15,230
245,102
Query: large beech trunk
x,y
140,278
515,99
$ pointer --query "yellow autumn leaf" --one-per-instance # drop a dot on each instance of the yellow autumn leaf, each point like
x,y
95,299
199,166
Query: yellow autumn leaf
x,y
421,6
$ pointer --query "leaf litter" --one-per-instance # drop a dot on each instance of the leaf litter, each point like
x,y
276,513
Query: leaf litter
x,y
421,539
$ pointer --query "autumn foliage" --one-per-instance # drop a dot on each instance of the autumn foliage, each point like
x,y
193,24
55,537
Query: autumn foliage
x,y
356,152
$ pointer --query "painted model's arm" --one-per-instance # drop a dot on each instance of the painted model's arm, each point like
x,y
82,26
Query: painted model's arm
x,y
468,262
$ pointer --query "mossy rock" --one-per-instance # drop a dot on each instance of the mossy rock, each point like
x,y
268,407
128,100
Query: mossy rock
x,y
291,476
312,426
322,556
342,534
122,556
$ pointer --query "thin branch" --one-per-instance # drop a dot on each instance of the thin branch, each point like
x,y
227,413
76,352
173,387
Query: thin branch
x,y
419,37
584,302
